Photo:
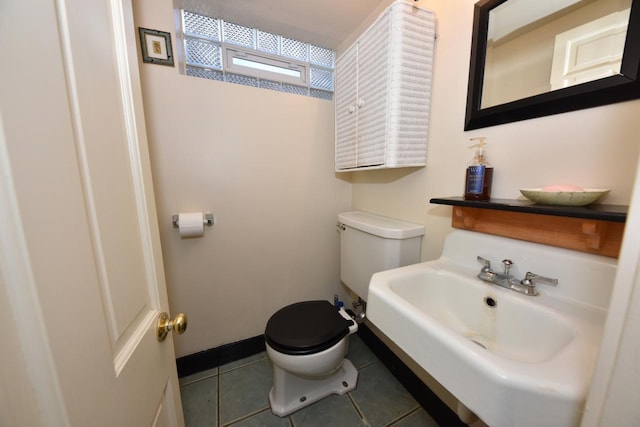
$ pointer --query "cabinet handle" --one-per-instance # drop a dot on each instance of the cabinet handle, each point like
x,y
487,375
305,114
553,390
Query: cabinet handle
x,y
352,109
360,103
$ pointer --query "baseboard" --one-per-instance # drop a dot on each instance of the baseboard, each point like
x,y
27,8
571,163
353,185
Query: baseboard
x,y
215,357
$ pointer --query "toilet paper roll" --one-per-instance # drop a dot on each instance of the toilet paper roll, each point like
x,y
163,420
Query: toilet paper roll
x,y
191,224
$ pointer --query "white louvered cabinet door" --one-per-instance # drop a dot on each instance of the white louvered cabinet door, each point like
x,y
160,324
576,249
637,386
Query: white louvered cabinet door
x,y
373,80
346,94
383,92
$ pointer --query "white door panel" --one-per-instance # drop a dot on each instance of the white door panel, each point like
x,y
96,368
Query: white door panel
x,y
78,192
590,51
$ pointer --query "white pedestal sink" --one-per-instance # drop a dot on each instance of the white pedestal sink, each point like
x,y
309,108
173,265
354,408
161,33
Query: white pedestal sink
x,y
514,360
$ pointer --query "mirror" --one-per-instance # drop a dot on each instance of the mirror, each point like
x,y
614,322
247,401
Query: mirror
x,y
533,59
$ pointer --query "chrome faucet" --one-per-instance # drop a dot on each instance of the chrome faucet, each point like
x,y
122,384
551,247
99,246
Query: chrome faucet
x,y
525,286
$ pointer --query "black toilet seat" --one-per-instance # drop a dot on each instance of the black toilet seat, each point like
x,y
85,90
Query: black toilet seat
x,y
306,327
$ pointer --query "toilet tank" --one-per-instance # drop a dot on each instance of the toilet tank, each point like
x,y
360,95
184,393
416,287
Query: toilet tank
x,y
371,243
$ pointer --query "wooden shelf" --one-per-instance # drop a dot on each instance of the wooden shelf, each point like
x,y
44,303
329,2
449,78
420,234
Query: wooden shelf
x,y
596,229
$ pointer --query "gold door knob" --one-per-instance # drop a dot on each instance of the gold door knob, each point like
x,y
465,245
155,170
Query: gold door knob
x,y
179,324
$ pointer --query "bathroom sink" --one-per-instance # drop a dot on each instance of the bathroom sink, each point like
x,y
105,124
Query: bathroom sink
x,y
513,359
502,324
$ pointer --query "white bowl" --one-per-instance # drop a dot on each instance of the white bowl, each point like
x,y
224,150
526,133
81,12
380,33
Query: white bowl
x,y
564,198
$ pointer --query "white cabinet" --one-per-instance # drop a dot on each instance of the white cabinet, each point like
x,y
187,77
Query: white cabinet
x,y
383,92
346,96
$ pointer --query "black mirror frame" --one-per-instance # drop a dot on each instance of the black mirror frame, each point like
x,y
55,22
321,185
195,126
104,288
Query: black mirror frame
x,y
609,90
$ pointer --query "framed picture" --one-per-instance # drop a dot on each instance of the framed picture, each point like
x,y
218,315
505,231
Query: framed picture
x,y
156,47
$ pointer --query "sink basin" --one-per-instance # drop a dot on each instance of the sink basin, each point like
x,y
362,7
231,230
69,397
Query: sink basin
x,y
514,360
502,324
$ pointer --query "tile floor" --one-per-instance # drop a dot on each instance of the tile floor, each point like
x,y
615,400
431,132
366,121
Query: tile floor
x,y
236,394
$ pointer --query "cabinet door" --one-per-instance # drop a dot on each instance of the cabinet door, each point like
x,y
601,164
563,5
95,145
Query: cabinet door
x,y
346,93
373,80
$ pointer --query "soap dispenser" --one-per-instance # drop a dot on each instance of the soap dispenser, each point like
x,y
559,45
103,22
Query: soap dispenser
x,y
479,173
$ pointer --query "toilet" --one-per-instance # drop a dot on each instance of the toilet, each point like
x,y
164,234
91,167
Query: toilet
x,y
307,341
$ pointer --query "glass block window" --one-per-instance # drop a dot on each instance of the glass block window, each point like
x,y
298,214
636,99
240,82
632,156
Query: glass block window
x,y
203,26
321,56
204,53
205,73
225,51
268,42
237,34
321,78
241,80
295,49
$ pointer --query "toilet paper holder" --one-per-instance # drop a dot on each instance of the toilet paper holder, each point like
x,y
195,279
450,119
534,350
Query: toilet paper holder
x,y
207,219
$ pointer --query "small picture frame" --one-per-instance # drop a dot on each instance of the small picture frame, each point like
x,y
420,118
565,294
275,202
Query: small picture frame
x,y
156,47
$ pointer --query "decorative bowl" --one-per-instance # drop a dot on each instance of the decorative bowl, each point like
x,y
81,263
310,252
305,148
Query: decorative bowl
x,y
564,198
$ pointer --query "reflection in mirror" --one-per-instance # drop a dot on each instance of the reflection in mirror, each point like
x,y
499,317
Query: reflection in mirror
x,y
535,47
535,58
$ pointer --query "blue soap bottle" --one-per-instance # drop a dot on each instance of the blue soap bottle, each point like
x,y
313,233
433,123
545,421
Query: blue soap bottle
x,y
479,173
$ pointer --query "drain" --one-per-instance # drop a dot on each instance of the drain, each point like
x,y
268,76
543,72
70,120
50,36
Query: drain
x,y
490,302
303,398
345,384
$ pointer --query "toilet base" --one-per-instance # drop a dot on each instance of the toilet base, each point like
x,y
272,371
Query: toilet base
x,y
291,392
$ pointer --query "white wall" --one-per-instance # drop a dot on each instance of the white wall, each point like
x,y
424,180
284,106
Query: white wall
x,y
265,178
597,147
262,162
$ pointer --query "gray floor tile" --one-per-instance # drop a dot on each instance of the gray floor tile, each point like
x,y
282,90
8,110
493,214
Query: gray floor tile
x,y
380,397
419,418
241,390
198,376
244,391
200,403
263,419
334,410
359,354
243,362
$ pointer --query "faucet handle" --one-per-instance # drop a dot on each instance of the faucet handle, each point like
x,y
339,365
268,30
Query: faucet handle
x,y
507,263
486,262
530,277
